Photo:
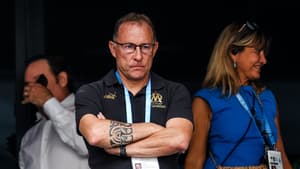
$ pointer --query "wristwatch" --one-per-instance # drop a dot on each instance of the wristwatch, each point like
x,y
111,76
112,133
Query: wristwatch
x,y
123,151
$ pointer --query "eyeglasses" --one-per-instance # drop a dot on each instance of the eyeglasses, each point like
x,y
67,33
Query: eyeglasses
x,y
252,26
128,48
246,29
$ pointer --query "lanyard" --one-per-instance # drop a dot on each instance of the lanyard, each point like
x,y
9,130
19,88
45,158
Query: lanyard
x,y
128,102
267,128
244,104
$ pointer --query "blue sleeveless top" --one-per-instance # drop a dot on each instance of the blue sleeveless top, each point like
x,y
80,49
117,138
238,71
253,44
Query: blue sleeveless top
x,y
229,123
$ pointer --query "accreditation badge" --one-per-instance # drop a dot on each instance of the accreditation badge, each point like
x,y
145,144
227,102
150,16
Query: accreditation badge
x,y
144,163
274,159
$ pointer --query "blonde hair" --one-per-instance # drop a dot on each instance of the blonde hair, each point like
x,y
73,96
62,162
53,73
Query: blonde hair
x,y
233,39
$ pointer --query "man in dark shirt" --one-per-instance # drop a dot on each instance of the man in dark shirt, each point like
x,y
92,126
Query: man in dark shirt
x,y
133,115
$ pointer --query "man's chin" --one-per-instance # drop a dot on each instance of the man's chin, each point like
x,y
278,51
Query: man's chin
x,y
137,76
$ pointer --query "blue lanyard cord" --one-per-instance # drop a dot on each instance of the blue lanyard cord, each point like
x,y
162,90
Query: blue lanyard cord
x,y
267,132
267,129
128,102
244,104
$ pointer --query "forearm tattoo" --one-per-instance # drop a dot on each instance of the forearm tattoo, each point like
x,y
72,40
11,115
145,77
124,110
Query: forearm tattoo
x,y
120,133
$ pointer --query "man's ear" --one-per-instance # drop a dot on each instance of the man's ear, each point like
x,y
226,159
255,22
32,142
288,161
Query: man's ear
x,y
112,48
155,48
63,79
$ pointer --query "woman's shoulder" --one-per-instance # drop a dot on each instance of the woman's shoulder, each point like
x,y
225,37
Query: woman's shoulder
x,y
209,94
267,95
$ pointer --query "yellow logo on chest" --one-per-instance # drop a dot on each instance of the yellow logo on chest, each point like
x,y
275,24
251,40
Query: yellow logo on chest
x,y
110,95
157,100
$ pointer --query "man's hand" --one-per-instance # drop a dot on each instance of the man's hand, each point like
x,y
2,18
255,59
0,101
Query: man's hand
x,y
36,94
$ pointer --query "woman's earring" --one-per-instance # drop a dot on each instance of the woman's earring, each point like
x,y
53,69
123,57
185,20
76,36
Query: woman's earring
x,y
234,65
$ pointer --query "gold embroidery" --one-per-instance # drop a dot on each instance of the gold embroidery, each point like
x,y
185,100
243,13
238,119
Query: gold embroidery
x,y
157,100
110,95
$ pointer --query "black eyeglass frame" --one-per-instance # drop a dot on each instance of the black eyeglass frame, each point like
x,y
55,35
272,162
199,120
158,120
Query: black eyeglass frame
x,y
141,46
249,25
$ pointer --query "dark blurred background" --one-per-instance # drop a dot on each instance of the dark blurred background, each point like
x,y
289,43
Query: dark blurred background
x,y
186,31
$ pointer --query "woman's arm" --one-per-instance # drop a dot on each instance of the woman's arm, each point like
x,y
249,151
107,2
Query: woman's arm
x,y
198,147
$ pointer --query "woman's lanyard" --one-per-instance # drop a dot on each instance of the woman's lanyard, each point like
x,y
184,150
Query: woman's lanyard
x,y
128,102
266,132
